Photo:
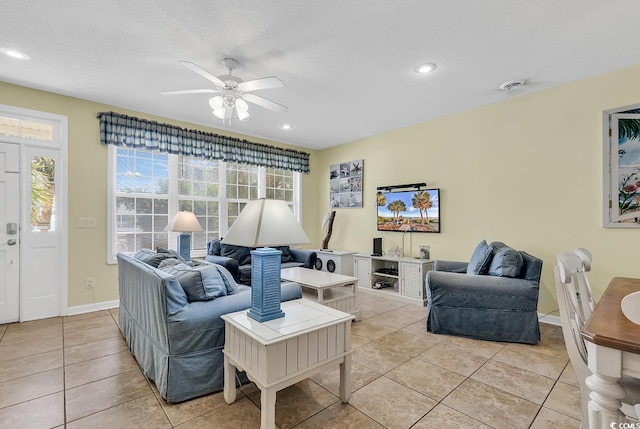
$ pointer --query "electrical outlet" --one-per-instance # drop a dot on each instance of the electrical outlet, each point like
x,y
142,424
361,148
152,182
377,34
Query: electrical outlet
x,y
91,283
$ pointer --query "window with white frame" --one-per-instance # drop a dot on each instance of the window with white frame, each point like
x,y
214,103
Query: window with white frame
x,y
148,188
280,184
198,192
241,186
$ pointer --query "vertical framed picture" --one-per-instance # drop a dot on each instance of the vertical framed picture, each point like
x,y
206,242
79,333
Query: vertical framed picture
x,y
622,167
424,252
345,184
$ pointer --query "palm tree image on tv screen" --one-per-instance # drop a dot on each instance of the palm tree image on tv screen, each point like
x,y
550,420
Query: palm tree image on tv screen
x,y
409,211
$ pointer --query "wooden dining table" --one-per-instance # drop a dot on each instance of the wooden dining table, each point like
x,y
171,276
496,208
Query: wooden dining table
x,y
613,350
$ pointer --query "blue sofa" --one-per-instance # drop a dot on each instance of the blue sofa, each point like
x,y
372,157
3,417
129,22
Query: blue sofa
x,y
176,340
237,259
486,298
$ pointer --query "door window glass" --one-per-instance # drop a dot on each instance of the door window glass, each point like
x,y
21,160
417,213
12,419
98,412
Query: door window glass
x,y
42,194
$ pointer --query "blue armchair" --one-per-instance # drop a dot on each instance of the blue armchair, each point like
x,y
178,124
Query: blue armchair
x,y
484,306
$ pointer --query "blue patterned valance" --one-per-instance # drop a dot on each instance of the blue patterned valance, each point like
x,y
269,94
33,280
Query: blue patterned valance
x,y
136,133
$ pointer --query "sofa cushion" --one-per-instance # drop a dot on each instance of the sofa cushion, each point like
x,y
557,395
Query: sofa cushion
x,y
286,255
214,248
239,253
480,259
229,281
291,264
244,272
506,262
201,283
150,257
173,254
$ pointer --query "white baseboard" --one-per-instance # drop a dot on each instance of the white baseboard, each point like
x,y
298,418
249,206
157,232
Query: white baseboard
x,y
551,320
81,309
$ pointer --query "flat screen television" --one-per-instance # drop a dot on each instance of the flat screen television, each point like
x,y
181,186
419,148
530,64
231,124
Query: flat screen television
x,y
409,211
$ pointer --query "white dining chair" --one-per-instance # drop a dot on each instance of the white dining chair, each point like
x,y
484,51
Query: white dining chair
x,y
576,304
584,287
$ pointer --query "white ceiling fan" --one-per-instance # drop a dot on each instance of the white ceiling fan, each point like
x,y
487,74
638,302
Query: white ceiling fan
x,y
233,92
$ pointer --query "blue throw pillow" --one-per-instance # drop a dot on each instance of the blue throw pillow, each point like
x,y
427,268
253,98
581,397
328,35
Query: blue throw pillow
x,y
229,282
239,253
286,254
150,257
506,262
201,283
173,254
481,259
214,248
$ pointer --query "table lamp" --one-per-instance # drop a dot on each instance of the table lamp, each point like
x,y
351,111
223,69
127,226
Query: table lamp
x,y
265,222
185,223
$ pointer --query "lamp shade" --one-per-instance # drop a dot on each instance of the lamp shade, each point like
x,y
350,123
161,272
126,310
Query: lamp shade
x,y
184,222
265,222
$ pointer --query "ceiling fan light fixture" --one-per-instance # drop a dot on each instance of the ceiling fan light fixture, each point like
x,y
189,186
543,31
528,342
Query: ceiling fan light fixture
x,y
242,109
219,113
216,102
242,115
231,104
241,105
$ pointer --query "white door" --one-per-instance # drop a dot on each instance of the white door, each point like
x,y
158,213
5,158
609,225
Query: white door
x,y
9,233
41,235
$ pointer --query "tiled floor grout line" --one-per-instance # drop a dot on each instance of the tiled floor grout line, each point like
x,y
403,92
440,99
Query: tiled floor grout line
x,y
540,406
64,366
552,387
438,402
324,409
547,397
158,400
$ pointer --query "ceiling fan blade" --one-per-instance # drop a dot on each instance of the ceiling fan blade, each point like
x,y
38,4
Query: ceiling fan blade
x,y
263,102
262,83
202,72
190,91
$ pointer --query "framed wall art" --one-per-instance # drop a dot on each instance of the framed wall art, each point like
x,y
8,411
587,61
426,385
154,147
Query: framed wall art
x,y
622,167
345,184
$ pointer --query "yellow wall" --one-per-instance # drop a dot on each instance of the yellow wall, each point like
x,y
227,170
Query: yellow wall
x,y
88,186
527,171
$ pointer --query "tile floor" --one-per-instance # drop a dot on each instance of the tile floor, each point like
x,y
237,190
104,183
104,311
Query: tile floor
x,y
76,372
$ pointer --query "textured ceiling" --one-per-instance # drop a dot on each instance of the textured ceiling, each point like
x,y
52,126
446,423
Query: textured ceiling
x,y
346,65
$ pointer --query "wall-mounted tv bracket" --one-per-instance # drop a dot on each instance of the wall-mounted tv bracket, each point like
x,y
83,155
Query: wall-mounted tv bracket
x,y
416,186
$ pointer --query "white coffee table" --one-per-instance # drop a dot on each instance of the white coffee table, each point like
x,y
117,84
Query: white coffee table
x,y
278,353
333,290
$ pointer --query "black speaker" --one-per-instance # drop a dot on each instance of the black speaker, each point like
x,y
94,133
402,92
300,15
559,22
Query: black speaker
x,y
377,247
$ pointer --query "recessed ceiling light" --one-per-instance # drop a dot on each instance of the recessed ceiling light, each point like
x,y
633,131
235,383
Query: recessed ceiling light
x,y
286,126
16,54
425,68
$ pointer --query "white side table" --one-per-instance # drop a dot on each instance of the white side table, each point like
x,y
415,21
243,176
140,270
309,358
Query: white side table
x,y
278,353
